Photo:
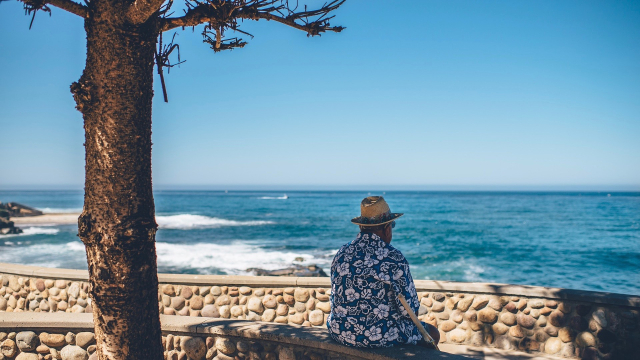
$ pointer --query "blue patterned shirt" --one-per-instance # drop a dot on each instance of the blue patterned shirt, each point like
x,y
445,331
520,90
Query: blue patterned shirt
x,y
366,275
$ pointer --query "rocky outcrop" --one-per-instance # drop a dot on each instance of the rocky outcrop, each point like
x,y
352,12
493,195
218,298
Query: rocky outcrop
x,y
294,270
13,209
6,225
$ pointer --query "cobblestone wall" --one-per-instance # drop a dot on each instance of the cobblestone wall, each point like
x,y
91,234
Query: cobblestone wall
x,y
552,326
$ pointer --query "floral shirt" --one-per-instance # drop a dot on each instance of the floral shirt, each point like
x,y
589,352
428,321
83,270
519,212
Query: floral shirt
x,y
366,275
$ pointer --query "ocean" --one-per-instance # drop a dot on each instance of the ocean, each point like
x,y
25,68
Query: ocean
x,y
577,240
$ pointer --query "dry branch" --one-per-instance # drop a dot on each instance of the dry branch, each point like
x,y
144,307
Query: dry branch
x,y
32,6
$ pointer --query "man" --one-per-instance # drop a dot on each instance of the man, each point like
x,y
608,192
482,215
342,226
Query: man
x,y
367,275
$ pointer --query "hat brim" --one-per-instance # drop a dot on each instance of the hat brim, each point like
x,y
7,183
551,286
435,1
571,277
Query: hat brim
x,y
361,220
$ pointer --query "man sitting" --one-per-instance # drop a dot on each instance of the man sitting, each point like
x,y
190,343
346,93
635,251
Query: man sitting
x,y
367,275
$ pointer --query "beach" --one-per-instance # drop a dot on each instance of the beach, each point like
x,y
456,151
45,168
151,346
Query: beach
x,y
47,219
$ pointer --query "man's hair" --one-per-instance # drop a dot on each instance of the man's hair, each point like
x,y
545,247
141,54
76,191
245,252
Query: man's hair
x,y
374,228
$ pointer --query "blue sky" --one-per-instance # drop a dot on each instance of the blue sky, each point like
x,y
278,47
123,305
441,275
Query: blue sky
x,y
459,94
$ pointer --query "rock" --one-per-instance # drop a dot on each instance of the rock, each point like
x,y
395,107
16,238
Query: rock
x,y
269,301
196,303
3,304
84,339
552,345
73,352
556,318
451,303
438,307
495,304
471,316
316,317
281,319
516,331
269,314
225,346
438,296
70,338
583,309
551,331
545,311
526,321
565,335
293,270
169,290
606,336
600,317
296,318
39,283
8,348
27,340
286,353
282,310
177,302
585,339
447,326
225,312
536,304
193,346
236,311
564,307
255,304
27,356
500,328
551,304
541,322
52,340
245,290
223,300
186,292
464,303
456,316
511,307
458,336
210,311
487,315
300,307
521,304
74,290
289,299
480,302
216,291
508,318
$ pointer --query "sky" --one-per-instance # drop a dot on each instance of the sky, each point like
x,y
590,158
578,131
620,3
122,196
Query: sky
x,y
423,94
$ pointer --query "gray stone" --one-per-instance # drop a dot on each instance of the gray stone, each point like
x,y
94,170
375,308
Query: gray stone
x,y
194,347
73,352
84,339
27,340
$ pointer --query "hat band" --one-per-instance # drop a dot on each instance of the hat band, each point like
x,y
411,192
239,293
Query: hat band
x,y
376,219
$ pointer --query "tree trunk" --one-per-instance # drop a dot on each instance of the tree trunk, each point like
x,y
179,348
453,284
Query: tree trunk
x,y
117,224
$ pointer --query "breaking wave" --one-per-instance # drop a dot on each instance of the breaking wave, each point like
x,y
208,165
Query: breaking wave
x,y
189,221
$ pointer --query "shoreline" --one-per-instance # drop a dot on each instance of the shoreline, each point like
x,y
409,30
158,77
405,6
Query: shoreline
x,y
47,219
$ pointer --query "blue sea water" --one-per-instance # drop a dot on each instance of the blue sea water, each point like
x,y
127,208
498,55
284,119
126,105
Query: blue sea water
x,y
588,241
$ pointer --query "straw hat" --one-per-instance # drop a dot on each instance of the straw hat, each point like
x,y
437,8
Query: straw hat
x,y
375,211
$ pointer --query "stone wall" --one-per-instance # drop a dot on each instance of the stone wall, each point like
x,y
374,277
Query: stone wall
x,y
528,319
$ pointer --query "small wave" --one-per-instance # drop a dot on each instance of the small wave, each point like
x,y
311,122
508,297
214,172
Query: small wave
x,y
34,231
189,221
285,197
233,258
61,210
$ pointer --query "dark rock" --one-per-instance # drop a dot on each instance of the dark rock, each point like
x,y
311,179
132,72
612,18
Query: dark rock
x,y
557,318
583,309
590,353
19,210
578,323
7,227
294,270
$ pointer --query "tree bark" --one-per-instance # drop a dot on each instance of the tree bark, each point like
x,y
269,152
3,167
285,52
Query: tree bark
x,y
117,224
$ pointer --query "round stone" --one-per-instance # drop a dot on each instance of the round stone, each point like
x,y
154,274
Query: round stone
x,y
216,291
536,304
169,290
480,302
289,299
438,307
255,304
456,316
74,290
316,317
551,330
236,311
526,321
27,340
463,304
565,335
3,304
269,301
495,304
225,346
223,300
556,318
268,315
225,312
40,285
186,292
296,318
471,316
458,335
500,328
600,317
585,339
73,352
516,331
508,318
487,315
42,349
552,345
8,348
177,302
438,296
52,340
511,307
447,326
245,290
194,347
210,311
196,302
84,339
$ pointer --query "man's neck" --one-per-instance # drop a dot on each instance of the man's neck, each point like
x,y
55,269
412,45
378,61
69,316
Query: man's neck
x,y
379,234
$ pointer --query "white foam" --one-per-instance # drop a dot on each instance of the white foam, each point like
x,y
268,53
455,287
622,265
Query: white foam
x,y
61,210
233,258
189,221
71,254
34,231
285,197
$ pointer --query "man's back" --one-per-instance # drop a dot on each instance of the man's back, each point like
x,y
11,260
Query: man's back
x,y
366,276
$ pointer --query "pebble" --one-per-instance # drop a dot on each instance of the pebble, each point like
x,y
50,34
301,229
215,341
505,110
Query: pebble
x,y
225,312
177,302
438,296
84,339
9,348
281,319
297,318
556,318
255,304
508,318
186,292
516,331
245,290
236,311
551,331
73,352
289,299
70,338
42,349
27,340
196,302
451,303
447,326
269,301
500,328
480,302
536,304
456,316
585,339
223,300
268,315
487,315
52,340
526,321
495,304
169,290
463,304
210,311
437,307
316,317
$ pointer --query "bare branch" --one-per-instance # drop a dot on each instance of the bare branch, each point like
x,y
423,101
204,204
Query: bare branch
x,y
32,6
220,15
141,10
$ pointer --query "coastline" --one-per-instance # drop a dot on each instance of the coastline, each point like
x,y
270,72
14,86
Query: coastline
x,y
47,219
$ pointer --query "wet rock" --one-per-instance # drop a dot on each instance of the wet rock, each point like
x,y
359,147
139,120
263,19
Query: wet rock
x,y
27,340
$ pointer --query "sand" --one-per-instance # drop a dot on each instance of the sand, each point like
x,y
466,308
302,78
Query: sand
x,y
47,219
